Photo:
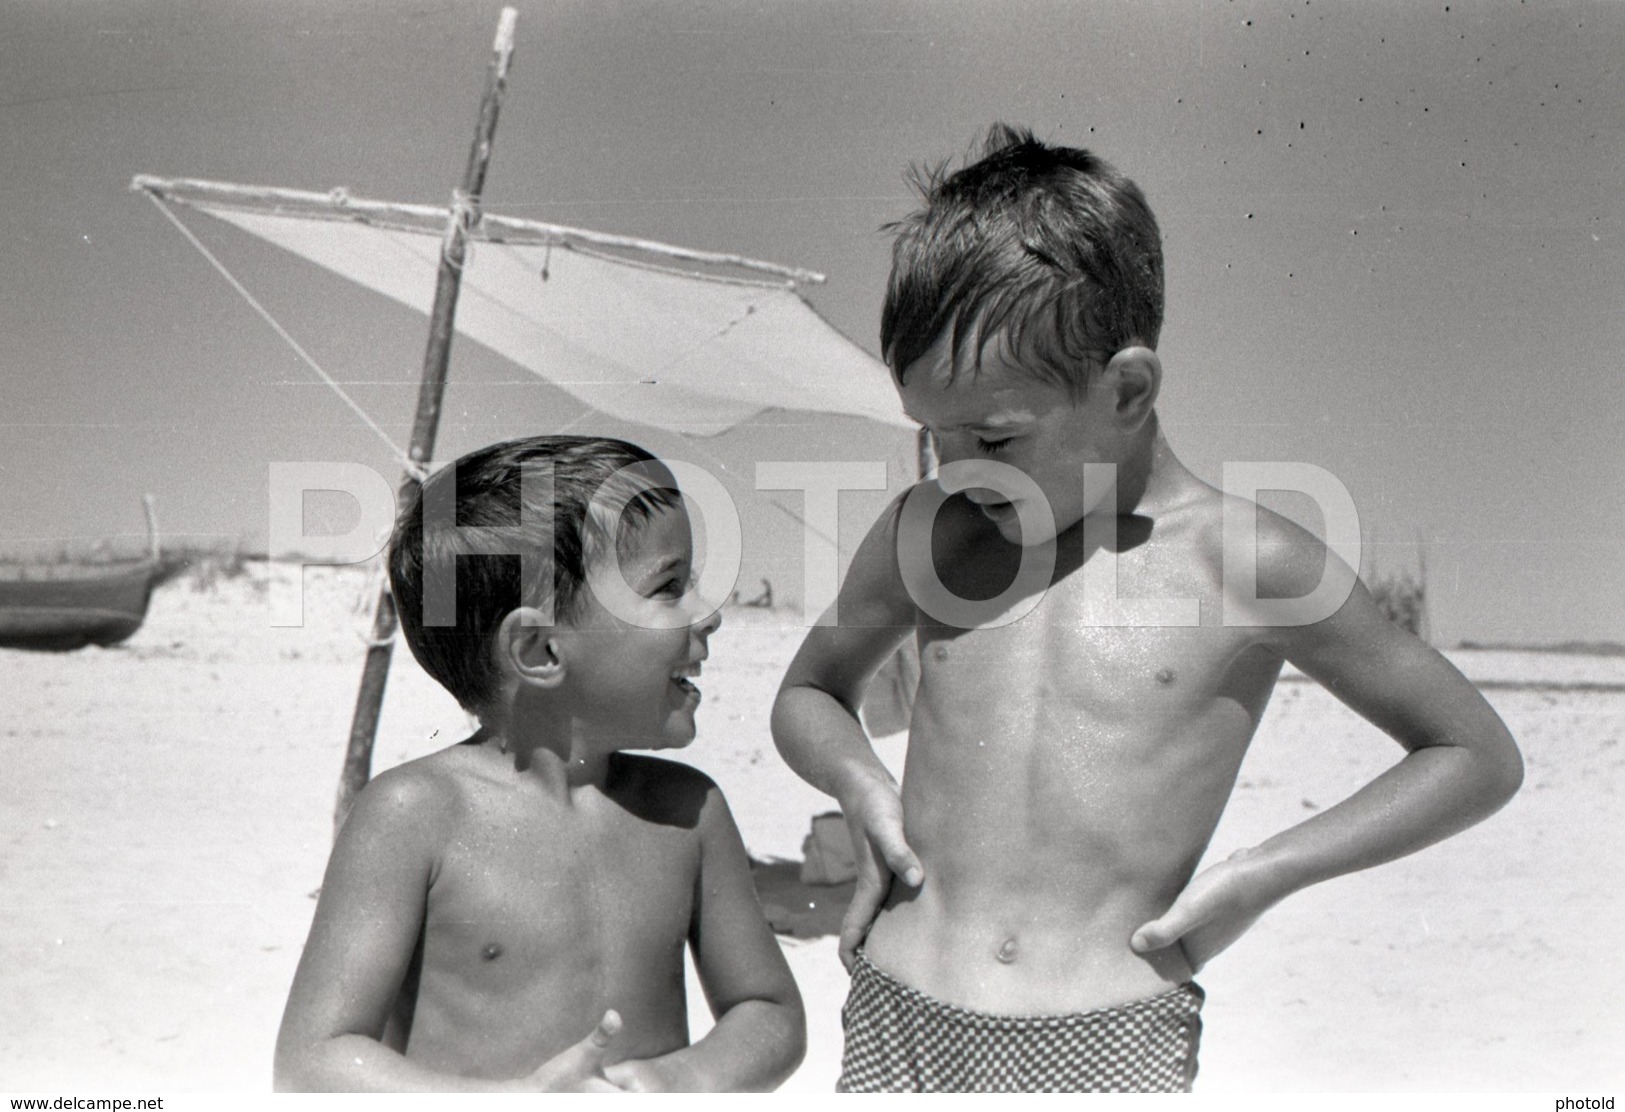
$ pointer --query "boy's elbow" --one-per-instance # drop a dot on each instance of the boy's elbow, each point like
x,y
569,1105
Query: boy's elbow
x,y
1511,774
791,1041
786,716
767,1042
1502,775
797,1054
787,1022
779,710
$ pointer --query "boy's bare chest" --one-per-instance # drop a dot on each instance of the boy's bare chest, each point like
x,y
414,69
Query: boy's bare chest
x,y
1046,676
1116,634
518,892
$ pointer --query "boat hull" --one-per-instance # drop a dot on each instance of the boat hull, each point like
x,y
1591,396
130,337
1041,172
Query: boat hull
x,y
62,608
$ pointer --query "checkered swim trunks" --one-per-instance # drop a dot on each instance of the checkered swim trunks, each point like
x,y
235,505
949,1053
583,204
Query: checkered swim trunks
x,y
901,1040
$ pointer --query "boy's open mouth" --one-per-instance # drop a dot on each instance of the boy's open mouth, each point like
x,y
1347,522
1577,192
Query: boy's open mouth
x,y
682,678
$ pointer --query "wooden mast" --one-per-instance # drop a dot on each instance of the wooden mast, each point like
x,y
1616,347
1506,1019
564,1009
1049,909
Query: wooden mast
x,y
436,357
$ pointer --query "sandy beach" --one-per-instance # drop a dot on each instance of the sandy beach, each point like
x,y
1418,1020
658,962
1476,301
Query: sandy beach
x,y
165,815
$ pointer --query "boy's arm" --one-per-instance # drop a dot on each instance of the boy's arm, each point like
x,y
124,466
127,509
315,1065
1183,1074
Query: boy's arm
x,y
361,941
761,1030
1461,763
819,735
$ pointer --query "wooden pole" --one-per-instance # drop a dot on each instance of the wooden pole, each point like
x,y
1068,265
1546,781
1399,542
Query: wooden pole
x,y
431,389
925,455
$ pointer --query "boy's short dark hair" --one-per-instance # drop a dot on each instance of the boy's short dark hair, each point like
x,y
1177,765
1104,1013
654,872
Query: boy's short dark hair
x,y
491,515
1050,248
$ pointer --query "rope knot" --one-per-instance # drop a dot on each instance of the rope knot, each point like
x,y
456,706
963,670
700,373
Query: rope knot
x,y
465,208
465,213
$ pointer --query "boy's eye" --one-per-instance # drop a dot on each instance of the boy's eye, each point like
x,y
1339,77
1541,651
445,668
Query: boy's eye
x,y
674,586
992,445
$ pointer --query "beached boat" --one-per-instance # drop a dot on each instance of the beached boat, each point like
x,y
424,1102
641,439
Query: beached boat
x,y
67,605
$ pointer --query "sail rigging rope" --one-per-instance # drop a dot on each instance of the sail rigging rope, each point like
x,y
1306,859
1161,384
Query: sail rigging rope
x,y
412,467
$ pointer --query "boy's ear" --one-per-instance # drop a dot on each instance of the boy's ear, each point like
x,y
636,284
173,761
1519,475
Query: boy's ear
x,y
1135,374
530,651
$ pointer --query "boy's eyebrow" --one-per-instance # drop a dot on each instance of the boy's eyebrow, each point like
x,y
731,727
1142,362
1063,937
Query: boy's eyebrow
x,y
997,422
670,563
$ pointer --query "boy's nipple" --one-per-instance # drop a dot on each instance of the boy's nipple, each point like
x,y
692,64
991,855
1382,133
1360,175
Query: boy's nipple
x,y
1007,952
492,951
1165,676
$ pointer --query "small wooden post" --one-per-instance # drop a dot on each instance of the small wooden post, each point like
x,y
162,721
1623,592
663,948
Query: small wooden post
x,y
149,506
431,389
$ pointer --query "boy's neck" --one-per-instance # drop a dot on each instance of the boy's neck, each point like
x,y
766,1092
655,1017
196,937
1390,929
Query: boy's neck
x,y
546,751
1151,478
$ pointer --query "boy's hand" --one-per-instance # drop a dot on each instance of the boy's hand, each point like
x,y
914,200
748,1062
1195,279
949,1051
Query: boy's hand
x,y
874,819
1214,910
652,1075
580,1069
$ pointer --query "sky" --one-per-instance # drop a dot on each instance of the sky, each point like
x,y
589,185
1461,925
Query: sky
x,y
1394,243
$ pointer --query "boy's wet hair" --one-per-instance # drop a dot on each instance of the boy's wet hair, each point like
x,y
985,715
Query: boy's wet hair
x,y
1049,249
492,514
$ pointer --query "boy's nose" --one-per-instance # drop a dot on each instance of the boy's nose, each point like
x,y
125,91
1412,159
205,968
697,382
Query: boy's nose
x,y
708,624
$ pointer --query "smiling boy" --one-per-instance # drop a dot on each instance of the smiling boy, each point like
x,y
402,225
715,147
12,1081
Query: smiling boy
x,y
510,913
1027,915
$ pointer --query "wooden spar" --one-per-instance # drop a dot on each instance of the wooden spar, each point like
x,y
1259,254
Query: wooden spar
x,y
338,204
436,359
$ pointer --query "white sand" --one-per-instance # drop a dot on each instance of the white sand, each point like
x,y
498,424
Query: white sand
x,y
165,815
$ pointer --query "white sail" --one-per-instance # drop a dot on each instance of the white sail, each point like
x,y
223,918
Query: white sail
x,y
675,339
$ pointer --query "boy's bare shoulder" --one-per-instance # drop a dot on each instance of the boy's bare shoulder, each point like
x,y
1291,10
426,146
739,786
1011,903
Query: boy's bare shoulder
x,y
1290,560
424,794
1268,561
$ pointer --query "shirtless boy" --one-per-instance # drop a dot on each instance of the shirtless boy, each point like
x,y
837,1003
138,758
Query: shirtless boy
x,y
509,914
1026,914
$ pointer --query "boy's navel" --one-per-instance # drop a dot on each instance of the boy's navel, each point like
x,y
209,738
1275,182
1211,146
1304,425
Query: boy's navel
x,y
1007,952
492,951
